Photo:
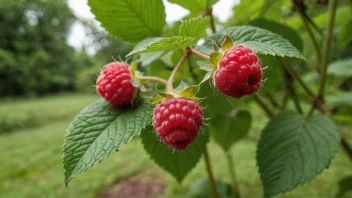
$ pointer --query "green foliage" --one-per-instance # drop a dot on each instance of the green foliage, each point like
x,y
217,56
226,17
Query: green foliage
x,y
34,55
132,20
341,68
196,7
228,129
194,27
273,77
99,130
177,163
201,189
163,44
294,149
259,40
280,29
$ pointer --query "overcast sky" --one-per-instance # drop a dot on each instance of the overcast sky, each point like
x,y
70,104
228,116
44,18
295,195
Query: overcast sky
x,y
222,10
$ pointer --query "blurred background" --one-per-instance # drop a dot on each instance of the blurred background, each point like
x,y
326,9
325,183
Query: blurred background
x,y
50,55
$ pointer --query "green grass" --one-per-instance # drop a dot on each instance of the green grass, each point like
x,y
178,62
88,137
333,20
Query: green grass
x,y
31,160
34,112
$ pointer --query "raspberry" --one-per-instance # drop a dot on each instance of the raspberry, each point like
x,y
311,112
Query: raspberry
x,y
239,72
177,121
114,84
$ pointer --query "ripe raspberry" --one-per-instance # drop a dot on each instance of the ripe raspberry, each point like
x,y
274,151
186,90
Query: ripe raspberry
x,y
239,72
114,84
177,121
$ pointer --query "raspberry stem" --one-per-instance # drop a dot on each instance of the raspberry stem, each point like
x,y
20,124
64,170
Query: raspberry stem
x,y
198,53
153,78
169,87
210,174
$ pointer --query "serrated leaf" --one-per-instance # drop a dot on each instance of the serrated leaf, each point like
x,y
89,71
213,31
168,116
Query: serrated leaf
x,y
259,40
177,163
99,130
194,27
201,189
228,129
163,44
293,150
130,20
341,68
283,30
195,6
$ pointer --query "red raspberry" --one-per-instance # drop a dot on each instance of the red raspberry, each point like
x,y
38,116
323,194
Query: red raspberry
x,y
114,84
239,72
177,121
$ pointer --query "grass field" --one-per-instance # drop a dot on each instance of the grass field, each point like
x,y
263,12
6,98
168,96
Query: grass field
x,y
31,159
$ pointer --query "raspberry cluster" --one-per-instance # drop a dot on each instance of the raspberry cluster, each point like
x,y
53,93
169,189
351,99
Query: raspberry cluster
x,y
177,121
239,72
114,84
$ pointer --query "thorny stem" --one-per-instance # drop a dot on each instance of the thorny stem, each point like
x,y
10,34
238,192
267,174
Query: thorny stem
x,y
231,164
264,106
153,78
212,21
295,76
169,87
210,174
327,49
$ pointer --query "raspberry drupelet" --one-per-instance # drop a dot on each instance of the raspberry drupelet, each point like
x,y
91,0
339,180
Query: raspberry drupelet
x,y
177,121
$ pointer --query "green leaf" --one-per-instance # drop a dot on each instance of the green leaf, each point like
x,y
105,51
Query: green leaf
x,y
294,149
201,189
272,74
341,68
259,40
194,27
99,130
130,20
340,99
205,65
177,163
228,129
345,36
283,30
195,6
163,44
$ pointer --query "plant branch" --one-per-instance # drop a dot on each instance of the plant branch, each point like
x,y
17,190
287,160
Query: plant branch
x,y
295,76
312,37
263,105
327,49
231,165
294,98
273,101
169,87
153,78
198,53
210,174
212,21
